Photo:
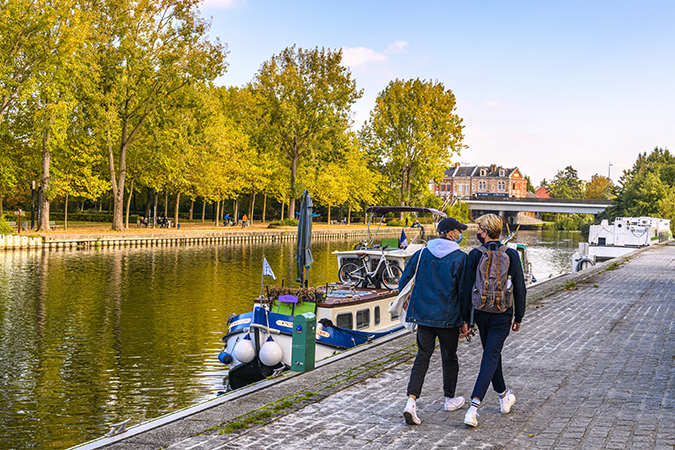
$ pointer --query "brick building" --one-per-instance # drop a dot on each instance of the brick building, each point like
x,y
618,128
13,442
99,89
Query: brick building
x,y
480,181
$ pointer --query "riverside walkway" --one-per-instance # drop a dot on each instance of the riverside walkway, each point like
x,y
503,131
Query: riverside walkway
x,y
593,367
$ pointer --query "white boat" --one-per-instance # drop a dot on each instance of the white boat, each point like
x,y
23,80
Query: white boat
x,y
626,234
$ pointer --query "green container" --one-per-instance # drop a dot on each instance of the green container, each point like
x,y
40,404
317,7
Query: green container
x,y
303,350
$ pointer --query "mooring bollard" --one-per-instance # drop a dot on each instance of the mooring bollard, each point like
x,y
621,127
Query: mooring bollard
x,y
303,351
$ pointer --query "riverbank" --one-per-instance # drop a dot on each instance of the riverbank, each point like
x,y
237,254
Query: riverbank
x,y
592,367
95,235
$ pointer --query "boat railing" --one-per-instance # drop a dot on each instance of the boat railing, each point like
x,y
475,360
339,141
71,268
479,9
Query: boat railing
x,y
264,328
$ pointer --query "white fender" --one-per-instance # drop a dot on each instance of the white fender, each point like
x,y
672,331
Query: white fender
x,y
270,353
244,350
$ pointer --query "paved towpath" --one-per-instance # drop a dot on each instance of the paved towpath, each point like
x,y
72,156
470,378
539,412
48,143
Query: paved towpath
x,y
593,367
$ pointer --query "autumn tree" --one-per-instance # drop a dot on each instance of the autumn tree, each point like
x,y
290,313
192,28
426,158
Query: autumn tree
x,y
413,132
599,187
566,184
145,52
304,99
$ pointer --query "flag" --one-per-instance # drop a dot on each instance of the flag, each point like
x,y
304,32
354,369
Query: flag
x,y
267,270
404,240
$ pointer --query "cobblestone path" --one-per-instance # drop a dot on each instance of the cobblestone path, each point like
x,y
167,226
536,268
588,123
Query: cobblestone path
x,y
593,367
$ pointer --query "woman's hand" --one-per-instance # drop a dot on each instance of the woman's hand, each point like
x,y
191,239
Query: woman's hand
x,y
465,331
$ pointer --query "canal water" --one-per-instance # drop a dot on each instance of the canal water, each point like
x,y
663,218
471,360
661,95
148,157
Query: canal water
x,y
97,336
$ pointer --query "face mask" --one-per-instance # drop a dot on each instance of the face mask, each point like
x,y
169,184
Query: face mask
x,y
459,239
480,237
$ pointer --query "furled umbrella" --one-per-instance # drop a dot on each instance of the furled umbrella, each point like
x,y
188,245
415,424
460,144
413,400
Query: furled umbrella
x,y
304,255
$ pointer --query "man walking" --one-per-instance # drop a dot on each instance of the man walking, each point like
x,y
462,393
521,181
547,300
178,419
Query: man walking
x,y
493,281
435,307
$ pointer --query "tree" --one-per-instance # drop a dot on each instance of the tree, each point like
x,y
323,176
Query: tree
x,y
304,99
647,189
530,186
566,184
599,187
145,52
25,37
413,132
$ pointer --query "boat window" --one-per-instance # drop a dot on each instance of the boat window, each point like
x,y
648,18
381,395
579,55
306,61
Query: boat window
x,y
376,312
345,320
362,318
393,316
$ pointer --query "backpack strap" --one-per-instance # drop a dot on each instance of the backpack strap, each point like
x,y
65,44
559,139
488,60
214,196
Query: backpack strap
x,y
487,280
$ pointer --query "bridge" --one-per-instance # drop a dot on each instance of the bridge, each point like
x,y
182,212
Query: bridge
x,y
542,205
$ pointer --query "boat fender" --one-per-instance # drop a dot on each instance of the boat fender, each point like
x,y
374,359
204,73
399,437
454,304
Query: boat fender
x,y
225,357
270,353
326,322
244,351
584,263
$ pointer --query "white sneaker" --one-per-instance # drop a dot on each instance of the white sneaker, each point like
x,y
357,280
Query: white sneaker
x,y
410,413
471,417
507,402
453,404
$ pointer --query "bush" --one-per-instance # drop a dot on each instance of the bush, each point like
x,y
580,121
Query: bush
x,y
573,223
5,228
284,223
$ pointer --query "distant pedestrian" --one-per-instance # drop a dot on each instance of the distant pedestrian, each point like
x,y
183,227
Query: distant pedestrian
x,y
435,308
498,297
244,221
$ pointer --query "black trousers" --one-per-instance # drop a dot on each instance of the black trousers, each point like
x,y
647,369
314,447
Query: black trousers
x,y
426,343
493,329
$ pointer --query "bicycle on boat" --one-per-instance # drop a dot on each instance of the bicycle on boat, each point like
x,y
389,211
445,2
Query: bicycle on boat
x,y
386,274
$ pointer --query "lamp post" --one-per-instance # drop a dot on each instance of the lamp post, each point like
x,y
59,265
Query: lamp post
x,y
609,179
32,205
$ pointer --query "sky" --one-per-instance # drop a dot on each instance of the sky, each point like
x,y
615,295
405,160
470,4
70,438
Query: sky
x,y
540,85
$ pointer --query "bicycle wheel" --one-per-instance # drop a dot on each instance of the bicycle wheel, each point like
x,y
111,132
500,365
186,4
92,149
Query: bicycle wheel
x,y
390,276
350,273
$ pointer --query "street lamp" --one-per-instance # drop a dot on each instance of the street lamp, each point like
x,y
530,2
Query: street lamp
x,y
609,170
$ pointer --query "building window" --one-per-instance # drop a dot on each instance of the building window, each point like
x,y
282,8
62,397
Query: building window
x,y
345,320
501,172
482,172
514,186
362,318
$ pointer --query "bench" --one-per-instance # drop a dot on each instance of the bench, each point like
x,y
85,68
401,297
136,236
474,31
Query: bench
x,y
53,225
12,224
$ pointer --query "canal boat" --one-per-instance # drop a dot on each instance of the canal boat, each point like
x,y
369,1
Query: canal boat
x,y
259,343
625,235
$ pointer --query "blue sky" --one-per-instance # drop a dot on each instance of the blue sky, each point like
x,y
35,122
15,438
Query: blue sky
x,y
540,84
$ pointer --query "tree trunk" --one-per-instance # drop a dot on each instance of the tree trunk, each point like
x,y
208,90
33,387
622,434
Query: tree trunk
x,y
252,207
216,217
203,209
349,214
291,201
263,216
131,193
117,182
282,209
2,196
328,214
175,214
65,214
192,208
236,211
43,224
166,203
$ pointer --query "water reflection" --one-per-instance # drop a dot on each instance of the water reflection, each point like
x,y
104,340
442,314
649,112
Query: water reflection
x,y
91,337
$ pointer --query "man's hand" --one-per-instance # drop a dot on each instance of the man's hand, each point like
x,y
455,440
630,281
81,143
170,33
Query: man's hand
x,y
465,331
515,326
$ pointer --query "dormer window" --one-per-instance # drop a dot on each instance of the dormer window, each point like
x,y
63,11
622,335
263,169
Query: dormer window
x,y
482,172
501,172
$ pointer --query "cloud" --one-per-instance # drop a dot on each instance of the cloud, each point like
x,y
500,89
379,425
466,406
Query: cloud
x,y
397,47
493,105
223,4
360,55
